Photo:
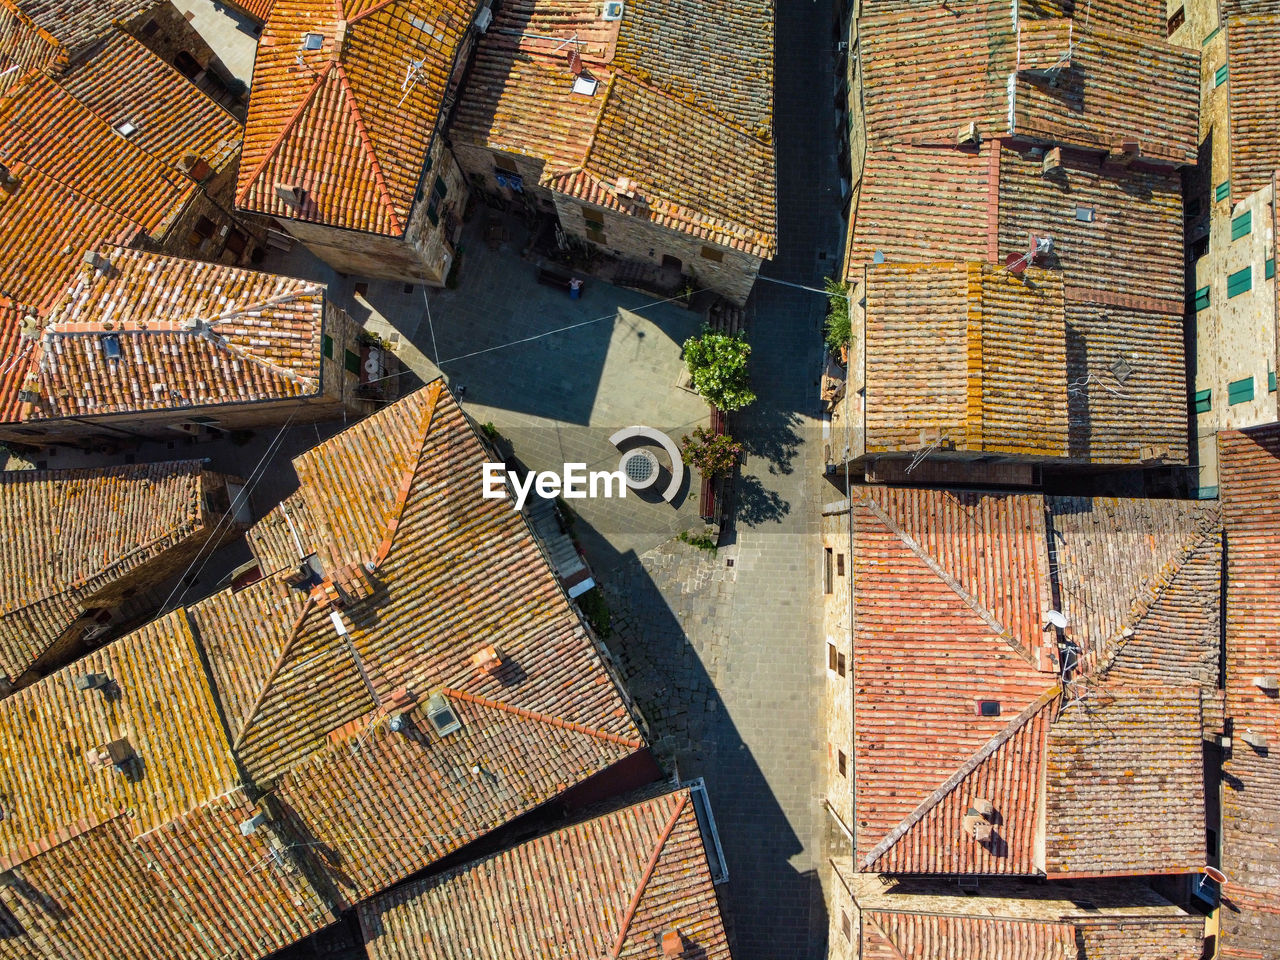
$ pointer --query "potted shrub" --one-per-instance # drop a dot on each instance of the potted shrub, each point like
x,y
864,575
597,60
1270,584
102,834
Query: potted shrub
x,y
717,365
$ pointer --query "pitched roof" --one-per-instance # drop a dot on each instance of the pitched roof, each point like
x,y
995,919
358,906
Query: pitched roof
x,y
1252,38
928,73
187,332
32,30
1012,920
977,574
968,351
684,110
70,533
255,692
606,887
352,121
1250,482
79,183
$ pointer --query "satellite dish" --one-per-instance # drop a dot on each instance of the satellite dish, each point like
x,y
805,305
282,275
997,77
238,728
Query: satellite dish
x,y
1054,618
1214,874
877,257
1017,263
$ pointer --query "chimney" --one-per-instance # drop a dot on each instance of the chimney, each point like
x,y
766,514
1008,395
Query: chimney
x,y
977,820
96,261
1052,161
1126,150
195,167
1255,740
1267,684
251,825
116,754
985,807
672,943
7,179
488,660
92,681
291,194
967,135
339,41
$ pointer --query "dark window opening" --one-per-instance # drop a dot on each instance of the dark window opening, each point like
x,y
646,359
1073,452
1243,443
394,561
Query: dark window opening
x,y
827,586
362,289
846,926
149,28
842,763
839,564
505,163
351,361
833,657
842,665
204,228
989,708
326,346
1178,19
712,254
593,218
236,242
187,65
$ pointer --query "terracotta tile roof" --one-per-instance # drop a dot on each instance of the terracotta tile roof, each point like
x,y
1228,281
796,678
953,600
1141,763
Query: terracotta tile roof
x,y
188,333
927,74
259,10
1013,920
15,354
1066,755
69,533
158,855
1253,115
174,119
395,492
994,378
1250,481
25,42
679,158
689,121
72,25
607,887
347,122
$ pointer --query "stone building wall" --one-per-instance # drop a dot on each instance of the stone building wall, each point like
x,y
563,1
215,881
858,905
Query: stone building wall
x,y
481,164
166,32
837,703
729,273
842,913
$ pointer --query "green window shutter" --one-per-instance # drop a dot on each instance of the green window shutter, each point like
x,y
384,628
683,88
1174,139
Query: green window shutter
x,y
1240,391
326,346
428,167
1223,191
1202,298
433,215
1240,282
1220,77
1204,401
352,362
440,190
1242,225
1211,35
1208,493
1271,267
1271,381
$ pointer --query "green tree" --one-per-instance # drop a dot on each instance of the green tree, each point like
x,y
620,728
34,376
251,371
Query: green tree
x,y
717,363
839,326
712,455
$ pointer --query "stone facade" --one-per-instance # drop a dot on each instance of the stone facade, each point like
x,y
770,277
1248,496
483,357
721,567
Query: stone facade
x,y
167,33
837,703
843,937
424,254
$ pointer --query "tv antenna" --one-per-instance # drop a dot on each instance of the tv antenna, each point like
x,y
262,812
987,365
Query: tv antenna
x,y
412,74
1018,263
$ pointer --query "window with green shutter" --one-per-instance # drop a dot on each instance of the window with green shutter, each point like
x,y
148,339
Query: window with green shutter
x,y
1204,401
1270,267
1242,225
351,361
1202,298
1240,282
1271,381
1208,493
1223,190
440,189
1213,33
1240,391
326,346
1220,76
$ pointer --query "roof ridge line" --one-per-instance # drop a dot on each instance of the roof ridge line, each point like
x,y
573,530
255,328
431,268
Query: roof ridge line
x,y
542,718
407,477
275,672
370,12
595,124
883,933
243,193
1140,609
358,119
968,599
625,927
966,768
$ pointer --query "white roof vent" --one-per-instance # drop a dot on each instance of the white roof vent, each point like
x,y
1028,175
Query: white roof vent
x,y
483,19
252,824
585,85
126,128
612,10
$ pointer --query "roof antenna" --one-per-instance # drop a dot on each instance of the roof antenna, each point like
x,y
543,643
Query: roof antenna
x,y
411,75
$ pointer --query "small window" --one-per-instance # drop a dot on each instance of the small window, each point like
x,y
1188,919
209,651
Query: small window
x,y
433,214
1271,381
1222,191
1242,225
1085,214
842,665
505,163
1178,19
187,65
326,346
827,563
842,763
440,189
149,28
594,218
1204,401
204,228
441,715
126,128
712,254
833,657
351,361
846,926
1193,207
1220,76
1270,268
989,708
313,41
1210,842
1202,298
1240,391
362,288
839,564
595,234
1240,282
